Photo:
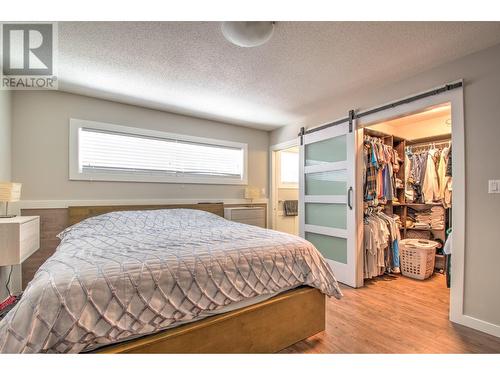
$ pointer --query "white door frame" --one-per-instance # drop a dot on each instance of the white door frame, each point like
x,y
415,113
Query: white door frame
x,y
273,189
455,98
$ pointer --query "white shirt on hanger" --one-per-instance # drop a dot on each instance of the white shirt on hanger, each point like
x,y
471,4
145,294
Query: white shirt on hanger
x,y
430,187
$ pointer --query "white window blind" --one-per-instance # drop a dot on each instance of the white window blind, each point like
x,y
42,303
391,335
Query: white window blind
x,y
289,168
106,154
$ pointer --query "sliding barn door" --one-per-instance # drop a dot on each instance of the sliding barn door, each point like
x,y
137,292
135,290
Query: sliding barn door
x,y
328,200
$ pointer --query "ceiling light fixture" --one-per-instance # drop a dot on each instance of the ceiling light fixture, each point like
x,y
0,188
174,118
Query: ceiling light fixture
x,y
247,34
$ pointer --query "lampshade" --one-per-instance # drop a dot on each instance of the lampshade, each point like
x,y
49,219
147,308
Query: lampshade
x,y
252,193
10,191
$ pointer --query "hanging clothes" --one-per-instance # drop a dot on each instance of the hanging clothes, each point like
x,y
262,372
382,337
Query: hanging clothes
x,y
445,186
430,186
415,175
448,165
370,176
381,244
378,171
442,171
426,179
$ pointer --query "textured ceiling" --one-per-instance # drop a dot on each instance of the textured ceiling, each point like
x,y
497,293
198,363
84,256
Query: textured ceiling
x,y
189,68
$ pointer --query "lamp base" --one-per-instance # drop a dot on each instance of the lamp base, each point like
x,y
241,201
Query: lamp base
x,y
7,216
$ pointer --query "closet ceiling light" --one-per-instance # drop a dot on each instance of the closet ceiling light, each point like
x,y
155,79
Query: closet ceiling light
x,y
247,34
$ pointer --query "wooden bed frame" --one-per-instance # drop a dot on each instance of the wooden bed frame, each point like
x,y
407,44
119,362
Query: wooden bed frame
x,y
265,327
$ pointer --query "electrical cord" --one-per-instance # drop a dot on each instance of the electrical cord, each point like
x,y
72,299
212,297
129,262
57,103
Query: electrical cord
x,y
11,302
8,281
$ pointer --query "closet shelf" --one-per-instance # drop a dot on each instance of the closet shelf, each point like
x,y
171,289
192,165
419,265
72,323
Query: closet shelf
x,y
410,204
421,204
423,229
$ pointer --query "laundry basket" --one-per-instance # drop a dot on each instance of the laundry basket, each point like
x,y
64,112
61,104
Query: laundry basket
x,y
417,258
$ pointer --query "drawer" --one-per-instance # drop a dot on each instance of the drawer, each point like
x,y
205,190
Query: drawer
x,y
29,238
257,213
257,222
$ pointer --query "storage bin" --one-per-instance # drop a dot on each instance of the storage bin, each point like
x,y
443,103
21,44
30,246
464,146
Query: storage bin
x,y
417,258
418,234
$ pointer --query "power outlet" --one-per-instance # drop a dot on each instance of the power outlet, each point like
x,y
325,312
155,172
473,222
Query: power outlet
x,y
494,186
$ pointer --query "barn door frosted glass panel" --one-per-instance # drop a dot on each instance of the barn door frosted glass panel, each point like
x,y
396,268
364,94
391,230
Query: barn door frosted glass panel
x,y
333,248
326,151
326,183
326,193
326,214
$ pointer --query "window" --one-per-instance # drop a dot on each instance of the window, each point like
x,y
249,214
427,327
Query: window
x,y
109,152
289,168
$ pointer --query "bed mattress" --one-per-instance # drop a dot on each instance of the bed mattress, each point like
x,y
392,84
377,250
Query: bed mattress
x,y
127,274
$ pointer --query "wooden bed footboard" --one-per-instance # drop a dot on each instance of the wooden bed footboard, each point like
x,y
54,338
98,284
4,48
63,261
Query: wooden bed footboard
x,y
266,327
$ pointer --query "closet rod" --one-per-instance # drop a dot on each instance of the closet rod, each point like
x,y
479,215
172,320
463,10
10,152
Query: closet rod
x,y
447,87
425,143
428,144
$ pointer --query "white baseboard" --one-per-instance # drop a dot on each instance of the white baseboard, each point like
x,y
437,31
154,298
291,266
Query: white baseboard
x,y
478,324
26,204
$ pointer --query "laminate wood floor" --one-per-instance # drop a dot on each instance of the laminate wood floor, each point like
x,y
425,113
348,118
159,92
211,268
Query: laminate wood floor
x,y
395,314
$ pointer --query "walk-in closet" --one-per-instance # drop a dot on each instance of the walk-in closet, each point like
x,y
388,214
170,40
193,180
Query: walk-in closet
x,y
407,196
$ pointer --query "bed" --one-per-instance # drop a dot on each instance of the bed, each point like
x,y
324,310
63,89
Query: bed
x,y
170,280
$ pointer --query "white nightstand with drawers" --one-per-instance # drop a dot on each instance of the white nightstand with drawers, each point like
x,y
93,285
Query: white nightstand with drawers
x,y
247,215
19,238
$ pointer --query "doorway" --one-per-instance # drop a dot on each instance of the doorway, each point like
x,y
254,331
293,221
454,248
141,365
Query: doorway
x,y
331,158
453,100
407,198
285,187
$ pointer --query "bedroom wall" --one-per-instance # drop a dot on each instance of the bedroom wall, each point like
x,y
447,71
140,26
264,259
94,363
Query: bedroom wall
x,y
40,149
40,161
5,175
481,74
5,137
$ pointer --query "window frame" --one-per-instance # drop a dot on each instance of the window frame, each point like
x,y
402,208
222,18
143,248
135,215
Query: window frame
x,y
125,176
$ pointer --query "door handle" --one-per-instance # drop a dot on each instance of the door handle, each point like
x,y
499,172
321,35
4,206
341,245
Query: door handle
x,y
349,193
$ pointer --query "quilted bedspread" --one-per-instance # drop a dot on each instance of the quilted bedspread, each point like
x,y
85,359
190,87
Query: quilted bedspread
x,y
126,274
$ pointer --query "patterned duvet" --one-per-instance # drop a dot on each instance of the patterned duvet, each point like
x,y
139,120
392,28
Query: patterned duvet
x,y
127,274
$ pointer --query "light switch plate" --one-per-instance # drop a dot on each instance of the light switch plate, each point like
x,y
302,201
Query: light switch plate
x,y
494,186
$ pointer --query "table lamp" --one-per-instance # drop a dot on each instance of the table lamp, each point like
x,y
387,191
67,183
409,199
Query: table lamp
x,y
252,193
9,192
